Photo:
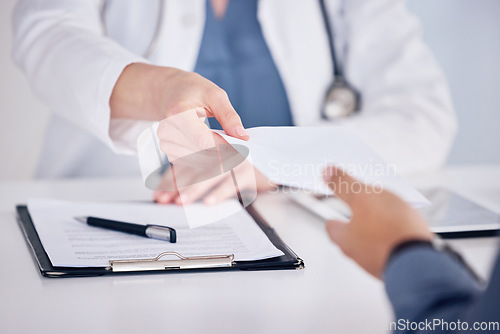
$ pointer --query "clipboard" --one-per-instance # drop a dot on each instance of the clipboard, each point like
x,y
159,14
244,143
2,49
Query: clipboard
x,y
160,264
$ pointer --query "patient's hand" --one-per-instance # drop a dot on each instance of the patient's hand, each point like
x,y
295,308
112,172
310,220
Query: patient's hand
x,y
380,221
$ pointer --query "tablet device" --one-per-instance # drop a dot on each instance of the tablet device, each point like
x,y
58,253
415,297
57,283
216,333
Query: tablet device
x,y
452,215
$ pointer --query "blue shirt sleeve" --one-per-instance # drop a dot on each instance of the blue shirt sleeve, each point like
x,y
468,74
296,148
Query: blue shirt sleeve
x,y
487,309
427,286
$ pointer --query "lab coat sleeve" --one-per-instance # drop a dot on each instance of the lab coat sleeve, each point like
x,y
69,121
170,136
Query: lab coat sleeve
x,y
72,66
407,115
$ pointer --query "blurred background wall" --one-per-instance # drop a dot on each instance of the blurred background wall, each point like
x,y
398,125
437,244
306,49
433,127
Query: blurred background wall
x,y
464,35
465,38
22,116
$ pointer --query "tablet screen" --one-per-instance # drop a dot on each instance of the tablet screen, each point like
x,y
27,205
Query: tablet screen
x,y
450,212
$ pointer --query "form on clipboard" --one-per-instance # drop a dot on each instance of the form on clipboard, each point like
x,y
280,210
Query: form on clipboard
x,y
66,248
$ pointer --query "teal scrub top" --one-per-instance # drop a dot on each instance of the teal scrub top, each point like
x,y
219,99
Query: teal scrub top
x,y
234,55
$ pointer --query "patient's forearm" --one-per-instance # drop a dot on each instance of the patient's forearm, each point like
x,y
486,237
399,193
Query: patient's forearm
x,y
424,284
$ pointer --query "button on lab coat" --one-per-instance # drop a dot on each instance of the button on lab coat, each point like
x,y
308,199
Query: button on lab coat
x,y
73,53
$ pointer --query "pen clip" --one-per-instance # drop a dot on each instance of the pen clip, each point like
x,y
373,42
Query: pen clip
x,y
195,262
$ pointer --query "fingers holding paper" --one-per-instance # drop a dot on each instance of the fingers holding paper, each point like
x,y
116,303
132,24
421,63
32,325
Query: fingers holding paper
x,y
244,179
248,180
185,134
214,174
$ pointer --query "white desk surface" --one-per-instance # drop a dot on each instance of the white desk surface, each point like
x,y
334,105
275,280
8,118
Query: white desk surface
x,y
331,295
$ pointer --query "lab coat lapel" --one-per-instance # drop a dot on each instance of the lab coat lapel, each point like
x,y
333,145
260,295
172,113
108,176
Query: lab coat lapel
x,y
181,34
295,34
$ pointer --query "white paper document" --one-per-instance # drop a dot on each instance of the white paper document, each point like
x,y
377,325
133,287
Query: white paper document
x,y
297,156
70,243
198,214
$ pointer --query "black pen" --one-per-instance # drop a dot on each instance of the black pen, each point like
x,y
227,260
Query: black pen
x,y
148,231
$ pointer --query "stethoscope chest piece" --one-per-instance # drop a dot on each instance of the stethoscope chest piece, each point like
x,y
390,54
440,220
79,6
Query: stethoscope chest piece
x,y
341,100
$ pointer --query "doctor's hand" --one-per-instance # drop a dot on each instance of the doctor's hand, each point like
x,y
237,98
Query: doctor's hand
x,y
380,221
180,100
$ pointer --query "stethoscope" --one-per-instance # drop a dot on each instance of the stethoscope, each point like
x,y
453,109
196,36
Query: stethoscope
x,y
341,98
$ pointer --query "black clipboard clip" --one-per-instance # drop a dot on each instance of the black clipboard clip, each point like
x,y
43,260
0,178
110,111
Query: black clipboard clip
x,y
194,262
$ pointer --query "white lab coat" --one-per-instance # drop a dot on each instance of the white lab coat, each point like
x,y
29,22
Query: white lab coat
x,y
73,62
